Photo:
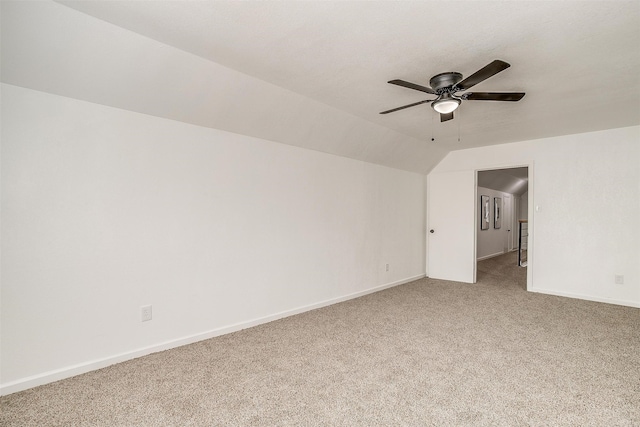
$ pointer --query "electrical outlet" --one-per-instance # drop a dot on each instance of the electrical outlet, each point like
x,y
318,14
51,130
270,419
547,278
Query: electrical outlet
x,y
387,267
145,313
619,279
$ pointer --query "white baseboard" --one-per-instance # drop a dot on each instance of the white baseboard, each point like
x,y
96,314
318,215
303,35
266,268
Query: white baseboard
x,y
70,371
491,256
586,297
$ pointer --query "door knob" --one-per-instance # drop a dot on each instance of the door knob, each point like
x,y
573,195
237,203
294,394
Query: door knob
x,y
432,231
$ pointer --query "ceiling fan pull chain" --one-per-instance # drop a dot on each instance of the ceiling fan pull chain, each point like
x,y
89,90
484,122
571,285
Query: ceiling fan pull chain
x,y
432,138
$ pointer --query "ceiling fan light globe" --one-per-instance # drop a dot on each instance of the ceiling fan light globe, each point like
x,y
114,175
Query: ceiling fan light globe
x,y
446,106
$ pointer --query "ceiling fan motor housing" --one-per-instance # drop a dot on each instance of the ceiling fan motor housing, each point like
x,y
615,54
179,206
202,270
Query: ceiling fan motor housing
x,y
443,81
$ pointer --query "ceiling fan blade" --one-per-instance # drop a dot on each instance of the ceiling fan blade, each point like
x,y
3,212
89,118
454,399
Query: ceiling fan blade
x,y
446,117
494,96
482,74
406,106
413,86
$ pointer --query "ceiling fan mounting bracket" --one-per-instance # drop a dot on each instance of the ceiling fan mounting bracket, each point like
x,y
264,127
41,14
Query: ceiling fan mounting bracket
x,y
443,82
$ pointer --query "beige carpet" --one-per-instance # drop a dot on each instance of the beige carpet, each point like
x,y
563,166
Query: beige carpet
x,y
426,353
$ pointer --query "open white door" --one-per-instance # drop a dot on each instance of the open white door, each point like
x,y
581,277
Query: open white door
x,y
451,211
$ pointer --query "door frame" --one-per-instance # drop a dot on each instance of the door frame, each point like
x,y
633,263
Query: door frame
x,y
530,217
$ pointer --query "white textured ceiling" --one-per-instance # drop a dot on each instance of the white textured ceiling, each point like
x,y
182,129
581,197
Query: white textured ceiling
x,y
578,63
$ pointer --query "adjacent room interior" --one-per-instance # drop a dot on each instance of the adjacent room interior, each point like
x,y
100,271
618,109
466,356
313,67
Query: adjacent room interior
x,y
309,213
503,210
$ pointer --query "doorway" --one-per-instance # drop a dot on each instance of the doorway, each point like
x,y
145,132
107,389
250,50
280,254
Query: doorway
x,y
502,206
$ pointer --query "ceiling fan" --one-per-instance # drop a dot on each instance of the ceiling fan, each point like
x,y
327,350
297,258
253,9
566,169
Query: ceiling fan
x,y
446,85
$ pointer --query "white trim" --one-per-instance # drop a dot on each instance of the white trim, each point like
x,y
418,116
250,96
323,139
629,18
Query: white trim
x,y
491,255
530,226
586,297
474,226
70,371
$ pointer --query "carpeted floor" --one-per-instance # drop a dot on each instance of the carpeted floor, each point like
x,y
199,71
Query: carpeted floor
x,y
426,353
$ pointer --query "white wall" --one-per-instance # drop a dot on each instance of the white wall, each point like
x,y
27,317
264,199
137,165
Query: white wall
x,y
105,210
491,242
587,191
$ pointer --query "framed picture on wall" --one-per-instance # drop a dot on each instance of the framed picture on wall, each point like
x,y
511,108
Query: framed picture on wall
x,y
497,212
484,212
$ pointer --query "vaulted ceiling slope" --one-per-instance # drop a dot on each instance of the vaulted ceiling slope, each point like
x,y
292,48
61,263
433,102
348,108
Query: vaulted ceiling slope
x,y
314,73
